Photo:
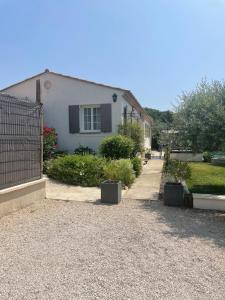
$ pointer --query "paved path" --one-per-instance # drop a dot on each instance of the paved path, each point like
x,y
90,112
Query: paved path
x,y
60,191
147,185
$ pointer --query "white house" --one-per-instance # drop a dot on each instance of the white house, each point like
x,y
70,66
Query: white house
x,y
82,112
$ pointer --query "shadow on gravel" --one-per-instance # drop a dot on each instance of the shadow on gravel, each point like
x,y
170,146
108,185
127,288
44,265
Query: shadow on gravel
x,y
187,223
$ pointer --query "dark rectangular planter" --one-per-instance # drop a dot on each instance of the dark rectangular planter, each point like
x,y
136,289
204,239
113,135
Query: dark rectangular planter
x,y
111,192
173,194
188,200
188,197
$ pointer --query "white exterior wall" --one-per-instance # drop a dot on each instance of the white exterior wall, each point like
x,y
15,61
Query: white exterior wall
x,y
66,91
147,140
187,156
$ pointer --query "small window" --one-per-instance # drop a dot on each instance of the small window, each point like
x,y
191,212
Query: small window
x,y
90,118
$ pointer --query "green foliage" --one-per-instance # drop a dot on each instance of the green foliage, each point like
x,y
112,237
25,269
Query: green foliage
x,y
200,117
60,153
161,116
178,170
135,132
207,157
117,146
137,165
46,164
206,179
167,158
120,170
162,121
82,150
49,142
77,169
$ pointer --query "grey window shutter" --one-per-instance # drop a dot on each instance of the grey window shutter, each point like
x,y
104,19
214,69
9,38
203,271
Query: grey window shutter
x,y
106,117
74,122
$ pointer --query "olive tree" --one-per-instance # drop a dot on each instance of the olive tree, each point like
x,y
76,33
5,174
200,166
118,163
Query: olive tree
x,y
200,117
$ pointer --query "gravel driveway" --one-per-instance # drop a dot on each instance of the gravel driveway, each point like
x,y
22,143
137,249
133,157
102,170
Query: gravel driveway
x,y
75,250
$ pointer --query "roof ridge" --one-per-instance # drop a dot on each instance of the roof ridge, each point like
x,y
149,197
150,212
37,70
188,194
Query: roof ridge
x,y
126,91
65,76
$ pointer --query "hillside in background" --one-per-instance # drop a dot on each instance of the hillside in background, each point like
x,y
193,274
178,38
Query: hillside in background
x,y
162,120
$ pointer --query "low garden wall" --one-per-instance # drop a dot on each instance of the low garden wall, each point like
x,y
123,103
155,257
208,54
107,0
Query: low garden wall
x,y
187,156
20,196
208,201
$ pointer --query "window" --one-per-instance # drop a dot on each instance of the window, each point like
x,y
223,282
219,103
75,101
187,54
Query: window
x,y
90,118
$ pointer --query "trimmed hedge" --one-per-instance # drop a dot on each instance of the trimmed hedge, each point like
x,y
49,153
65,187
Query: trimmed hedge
x,y
137,165
87,170
117,146
120,170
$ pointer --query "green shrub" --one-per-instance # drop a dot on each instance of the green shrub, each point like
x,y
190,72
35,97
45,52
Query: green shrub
x,y
59,153
135,132
167,159
207,157
178,170
120,170
46,164
137,165
80,170
116,147
81,150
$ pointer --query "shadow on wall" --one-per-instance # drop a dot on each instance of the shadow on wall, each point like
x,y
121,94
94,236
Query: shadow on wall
x,y
187,223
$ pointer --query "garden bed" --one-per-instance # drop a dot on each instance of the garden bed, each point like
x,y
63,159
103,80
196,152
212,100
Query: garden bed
x,y
207,179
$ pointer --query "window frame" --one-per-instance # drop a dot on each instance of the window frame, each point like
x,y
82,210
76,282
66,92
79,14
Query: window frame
x,y
82,129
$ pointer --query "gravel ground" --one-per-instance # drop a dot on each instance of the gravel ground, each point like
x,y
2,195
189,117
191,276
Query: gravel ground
x,y
74,250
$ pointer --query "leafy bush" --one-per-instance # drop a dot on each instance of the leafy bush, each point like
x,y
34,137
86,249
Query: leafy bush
x,y
49,142
120,170
81,150
207,157
59,153
46,164
137,165
116,147
81,170
136,133
178,170
167,158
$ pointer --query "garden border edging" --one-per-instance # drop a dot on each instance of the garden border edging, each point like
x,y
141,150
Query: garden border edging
x,y
209,201
21,196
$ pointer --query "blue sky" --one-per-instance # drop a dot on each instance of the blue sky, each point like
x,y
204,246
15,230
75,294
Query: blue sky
x,y
156,48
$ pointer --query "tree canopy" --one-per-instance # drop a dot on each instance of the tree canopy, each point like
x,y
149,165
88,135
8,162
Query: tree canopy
x,y
162,121
200,117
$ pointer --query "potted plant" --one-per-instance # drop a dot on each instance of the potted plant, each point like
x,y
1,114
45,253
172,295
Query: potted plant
x,y
111,191
176,172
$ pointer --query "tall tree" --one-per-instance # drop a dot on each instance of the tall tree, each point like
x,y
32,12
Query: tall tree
x,y
162,121
200,117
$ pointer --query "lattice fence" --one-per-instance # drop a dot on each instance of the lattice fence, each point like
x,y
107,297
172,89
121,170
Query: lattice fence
x,y
20,141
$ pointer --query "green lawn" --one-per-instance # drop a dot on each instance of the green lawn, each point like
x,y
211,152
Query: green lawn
x,y
207,179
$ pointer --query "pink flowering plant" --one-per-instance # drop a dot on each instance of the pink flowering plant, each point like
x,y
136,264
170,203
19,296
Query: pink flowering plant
x,y
49,142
